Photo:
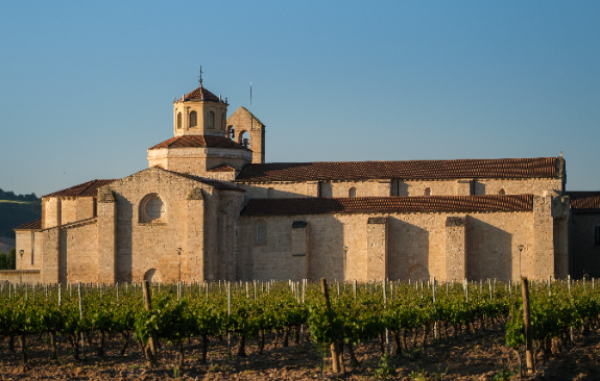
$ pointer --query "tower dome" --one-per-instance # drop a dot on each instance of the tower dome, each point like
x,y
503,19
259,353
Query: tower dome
x,y
200,112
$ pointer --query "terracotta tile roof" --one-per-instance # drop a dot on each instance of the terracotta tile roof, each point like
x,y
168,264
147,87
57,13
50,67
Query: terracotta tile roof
x,y
585,202
89,188
189,141
31,225
73,224
431,204
415,169
200,94
217,184
223,168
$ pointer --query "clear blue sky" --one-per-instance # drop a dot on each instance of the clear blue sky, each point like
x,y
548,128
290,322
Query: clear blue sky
x,y
86,87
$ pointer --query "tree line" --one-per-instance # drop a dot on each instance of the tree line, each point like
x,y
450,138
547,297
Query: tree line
x,y
8,261
11,196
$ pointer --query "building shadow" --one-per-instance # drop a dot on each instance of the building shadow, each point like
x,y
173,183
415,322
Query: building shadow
x,y
408,251
63,257
124,238
478,188
327,256
489,252
403,189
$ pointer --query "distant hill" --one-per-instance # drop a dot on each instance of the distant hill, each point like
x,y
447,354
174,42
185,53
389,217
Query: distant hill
x,y
15,210
6,244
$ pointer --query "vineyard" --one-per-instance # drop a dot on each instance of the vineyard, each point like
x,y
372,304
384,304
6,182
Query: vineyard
x,y
181,326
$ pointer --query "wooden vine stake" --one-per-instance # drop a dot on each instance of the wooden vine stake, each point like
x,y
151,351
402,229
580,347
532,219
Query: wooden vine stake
x,y
528,331
338,366
81,317
151,347
387,331
435,324
229,314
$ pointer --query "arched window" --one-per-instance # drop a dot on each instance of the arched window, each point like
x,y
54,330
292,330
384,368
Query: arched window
x,y
223,122
270,192
352,192
243,138
427,192
261,233
193,119
179,120
211,119
502,192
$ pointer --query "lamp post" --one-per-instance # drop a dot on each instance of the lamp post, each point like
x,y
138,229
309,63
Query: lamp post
x,y
179,255
21,266
345,260
520,247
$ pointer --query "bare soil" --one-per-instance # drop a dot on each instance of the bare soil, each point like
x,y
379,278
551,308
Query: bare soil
x,y
480,356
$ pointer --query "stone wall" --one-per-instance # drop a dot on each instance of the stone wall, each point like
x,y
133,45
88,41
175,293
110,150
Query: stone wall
x,y
196,161
476,187
51,271
51,215
65,210
78,255
418,246
223,176
68,210
16,276
31,242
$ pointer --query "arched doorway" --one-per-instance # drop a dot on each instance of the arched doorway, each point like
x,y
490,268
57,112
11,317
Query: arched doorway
x,y
418,272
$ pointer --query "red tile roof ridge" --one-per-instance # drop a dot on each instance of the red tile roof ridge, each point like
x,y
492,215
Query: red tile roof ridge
x,y
541,167
421,204
87,189
584,201
198,141
200,93
31,225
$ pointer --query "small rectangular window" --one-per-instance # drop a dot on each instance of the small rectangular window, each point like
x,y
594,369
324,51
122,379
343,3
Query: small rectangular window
x,y
597,235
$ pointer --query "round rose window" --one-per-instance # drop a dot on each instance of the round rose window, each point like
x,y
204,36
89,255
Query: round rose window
x,y
155,208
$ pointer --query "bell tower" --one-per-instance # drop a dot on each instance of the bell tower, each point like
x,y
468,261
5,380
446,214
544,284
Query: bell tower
x,y
242,121
201,146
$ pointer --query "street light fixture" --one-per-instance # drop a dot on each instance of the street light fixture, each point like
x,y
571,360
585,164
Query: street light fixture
x,y
345,260
520,247
21,252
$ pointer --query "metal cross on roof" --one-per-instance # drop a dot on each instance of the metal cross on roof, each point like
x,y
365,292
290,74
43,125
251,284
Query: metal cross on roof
x,y
200,76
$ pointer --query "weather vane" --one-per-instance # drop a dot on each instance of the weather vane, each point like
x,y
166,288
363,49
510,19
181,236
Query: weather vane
x,y
200,76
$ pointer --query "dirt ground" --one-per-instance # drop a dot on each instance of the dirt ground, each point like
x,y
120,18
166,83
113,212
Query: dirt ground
x,y
480,356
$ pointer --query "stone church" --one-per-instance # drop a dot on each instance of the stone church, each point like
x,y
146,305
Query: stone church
x,y
209,207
